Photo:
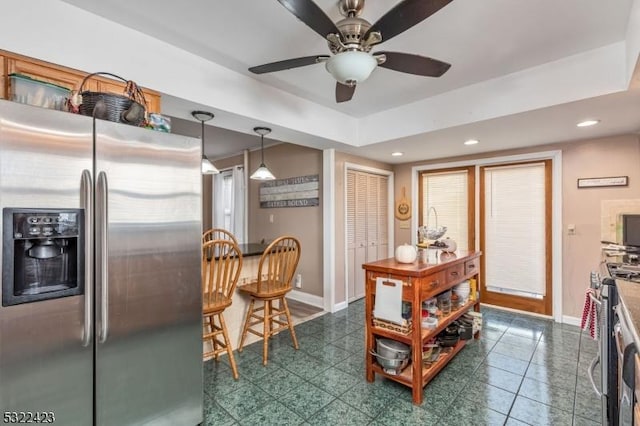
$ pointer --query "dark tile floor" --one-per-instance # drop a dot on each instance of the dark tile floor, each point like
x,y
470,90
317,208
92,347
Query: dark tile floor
x,y
523,371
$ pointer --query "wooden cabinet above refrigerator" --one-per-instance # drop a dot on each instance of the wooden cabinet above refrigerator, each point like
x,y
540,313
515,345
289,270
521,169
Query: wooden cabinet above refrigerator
x,y
69,78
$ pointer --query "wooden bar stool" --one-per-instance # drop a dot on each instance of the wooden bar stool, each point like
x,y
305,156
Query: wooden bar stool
x,y
275,271
218,234
220,275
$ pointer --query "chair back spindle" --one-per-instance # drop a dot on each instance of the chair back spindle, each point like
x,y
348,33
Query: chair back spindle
x,y
220,274
278,264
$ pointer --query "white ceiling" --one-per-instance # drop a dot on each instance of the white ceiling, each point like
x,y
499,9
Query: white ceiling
x,y
483,40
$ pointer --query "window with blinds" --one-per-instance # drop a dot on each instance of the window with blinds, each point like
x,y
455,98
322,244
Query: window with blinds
x,y
514,203
448,193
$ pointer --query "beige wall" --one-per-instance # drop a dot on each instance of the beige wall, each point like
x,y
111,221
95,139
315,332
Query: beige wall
x,y
613,156
305,223
618,156
340,250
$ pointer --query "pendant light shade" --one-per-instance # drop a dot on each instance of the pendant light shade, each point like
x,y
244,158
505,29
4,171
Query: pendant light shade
x,y
262,173
207,167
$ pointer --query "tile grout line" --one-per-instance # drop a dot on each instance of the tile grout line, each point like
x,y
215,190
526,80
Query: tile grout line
x,y
522,381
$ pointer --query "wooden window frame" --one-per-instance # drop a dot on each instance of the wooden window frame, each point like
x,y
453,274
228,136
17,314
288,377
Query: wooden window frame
x,y
471,199
544,306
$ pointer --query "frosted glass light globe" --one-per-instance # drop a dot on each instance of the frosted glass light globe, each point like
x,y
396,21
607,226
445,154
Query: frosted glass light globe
x,y
351,67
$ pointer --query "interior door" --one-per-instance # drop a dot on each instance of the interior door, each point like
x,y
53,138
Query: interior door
x,y
46,354
383,217
367,217
372,214
515,236
351,233
149,301
361,247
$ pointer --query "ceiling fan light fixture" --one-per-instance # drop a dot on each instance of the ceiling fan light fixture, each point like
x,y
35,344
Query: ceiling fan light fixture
x,y
262,172
351,67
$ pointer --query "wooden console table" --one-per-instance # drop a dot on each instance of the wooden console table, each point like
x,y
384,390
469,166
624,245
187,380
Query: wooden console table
x,y
421,281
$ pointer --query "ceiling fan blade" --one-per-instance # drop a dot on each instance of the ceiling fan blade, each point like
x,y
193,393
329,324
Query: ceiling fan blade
x,y
288,64
309,13
414,64
405,15
344,93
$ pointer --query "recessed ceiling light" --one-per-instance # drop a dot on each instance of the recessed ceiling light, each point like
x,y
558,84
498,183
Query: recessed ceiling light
x,y
587,123
471,142
397,154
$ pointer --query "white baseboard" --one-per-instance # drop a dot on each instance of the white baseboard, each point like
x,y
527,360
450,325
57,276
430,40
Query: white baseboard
x,y
566,319
307,298
340,306
516,311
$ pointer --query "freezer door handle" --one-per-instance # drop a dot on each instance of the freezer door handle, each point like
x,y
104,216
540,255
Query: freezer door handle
x,y
86,201
103,190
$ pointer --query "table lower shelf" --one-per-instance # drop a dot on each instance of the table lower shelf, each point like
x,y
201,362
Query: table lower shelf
x,y
426,334
428,373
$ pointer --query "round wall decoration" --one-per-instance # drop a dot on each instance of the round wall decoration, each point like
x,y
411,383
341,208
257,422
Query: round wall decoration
x,y
403,207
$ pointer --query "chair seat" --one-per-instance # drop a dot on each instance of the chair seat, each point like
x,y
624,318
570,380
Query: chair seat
x,y
217,303
267,291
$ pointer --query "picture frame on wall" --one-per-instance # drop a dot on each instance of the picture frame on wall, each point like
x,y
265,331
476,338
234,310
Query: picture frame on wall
x,y
597,182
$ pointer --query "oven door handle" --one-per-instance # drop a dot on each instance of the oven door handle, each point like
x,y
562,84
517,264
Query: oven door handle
x,y
625,330
592,367
628,366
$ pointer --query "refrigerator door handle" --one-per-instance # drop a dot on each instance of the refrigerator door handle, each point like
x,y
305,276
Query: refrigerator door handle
x,y
103,258
86,202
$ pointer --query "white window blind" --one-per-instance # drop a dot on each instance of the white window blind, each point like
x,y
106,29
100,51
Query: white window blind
x,y
446,192
515,229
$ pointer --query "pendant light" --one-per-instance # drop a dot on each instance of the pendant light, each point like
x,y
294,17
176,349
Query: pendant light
x,y
207,166
262,173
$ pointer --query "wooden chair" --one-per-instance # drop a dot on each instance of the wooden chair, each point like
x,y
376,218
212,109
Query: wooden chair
x,y
275,271
218,234
219,278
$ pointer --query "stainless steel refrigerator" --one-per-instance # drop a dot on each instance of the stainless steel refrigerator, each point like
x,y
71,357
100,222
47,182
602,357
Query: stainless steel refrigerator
x,y
100,321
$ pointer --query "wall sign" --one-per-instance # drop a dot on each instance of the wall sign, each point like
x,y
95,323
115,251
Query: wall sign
x,y
603,181
301,191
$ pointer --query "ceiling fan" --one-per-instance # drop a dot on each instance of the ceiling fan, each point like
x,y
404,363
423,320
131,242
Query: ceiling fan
x,y
351,40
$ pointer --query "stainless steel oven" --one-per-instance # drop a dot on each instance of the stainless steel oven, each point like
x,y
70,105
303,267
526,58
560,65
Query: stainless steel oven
x,y
607,358
625,372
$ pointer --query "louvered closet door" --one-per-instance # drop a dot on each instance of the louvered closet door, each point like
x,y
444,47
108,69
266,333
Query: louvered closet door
x,y
383,217
361,245
372,200
367,226
352,271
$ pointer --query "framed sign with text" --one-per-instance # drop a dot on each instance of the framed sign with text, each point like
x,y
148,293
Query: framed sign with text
x,y
603,181
300,191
